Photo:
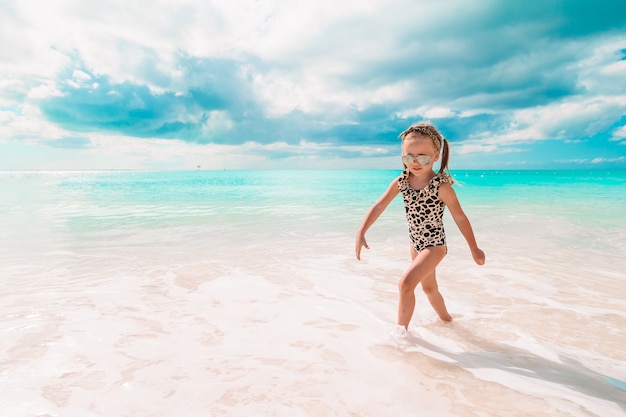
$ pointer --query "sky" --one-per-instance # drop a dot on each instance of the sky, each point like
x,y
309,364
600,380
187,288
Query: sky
x,y
317,84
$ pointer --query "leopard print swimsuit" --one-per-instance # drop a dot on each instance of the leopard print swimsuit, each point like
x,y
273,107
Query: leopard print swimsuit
x,y
424,212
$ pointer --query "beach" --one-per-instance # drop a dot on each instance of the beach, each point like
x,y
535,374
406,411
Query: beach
x,y
237,293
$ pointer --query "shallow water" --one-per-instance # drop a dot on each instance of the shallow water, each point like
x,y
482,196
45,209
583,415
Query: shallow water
x,y
237,294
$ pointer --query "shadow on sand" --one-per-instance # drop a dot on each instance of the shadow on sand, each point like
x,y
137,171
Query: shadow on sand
x,y
568,372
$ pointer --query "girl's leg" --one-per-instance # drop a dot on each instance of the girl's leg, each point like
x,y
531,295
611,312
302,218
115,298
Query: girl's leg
x,y
424,264
431,289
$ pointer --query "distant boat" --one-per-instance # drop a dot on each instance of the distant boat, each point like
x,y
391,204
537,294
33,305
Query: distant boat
x,y
198,167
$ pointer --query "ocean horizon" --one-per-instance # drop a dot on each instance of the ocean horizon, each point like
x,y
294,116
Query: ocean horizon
x,y
235,292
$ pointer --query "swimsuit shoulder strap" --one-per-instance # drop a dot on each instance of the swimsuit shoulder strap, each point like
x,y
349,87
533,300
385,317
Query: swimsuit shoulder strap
x,y
403,180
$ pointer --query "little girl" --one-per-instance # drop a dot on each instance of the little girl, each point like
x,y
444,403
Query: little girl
x,y
425,194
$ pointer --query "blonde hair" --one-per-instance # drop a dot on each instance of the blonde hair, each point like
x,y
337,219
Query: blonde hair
x,y
428,130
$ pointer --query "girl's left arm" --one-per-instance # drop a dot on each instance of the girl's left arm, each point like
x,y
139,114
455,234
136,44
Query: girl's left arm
x,y
448,196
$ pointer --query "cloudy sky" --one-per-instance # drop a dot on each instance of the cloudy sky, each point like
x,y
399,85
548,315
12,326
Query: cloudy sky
x,y
243,84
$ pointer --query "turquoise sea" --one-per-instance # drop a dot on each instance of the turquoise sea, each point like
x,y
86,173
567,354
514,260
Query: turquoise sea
x,y
237,293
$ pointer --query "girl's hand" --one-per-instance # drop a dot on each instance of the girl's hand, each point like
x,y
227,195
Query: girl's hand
x,y
360,243
479,256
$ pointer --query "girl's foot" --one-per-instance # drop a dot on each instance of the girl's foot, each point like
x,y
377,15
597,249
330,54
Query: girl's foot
x,y
447,318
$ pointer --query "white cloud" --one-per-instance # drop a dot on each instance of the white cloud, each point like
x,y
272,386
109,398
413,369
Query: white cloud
x,y
603,71
475,147
11,92
116,37
562,120
46,90
217,122
600,160
28,124
619,135
135,41
427,112
80,76
483,147
316,92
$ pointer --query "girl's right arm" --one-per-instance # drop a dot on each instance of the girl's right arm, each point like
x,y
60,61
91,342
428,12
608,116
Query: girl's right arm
x,y
374,213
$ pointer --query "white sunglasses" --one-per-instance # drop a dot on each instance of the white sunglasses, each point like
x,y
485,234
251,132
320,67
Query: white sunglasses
x,y
420,159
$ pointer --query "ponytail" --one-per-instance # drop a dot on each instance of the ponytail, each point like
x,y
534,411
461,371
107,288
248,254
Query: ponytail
x,y
444,157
